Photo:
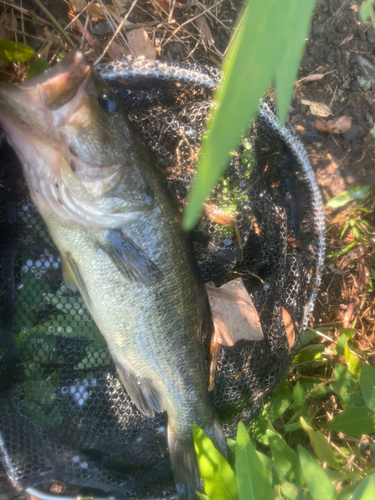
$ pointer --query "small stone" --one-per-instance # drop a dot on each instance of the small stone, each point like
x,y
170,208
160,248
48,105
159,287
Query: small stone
x,y
303,108
318,28
369,118
351,134
354,85
371,35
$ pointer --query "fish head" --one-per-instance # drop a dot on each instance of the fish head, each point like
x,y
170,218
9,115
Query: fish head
x,y
69,130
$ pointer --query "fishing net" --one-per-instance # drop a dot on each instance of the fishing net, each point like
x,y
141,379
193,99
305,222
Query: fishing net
x,y
63,413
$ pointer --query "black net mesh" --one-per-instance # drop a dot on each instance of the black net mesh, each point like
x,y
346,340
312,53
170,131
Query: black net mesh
x,y
64,414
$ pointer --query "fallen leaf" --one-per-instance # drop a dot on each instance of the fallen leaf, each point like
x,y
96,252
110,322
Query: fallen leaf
x,y
204,30
163,4
300,129
348,316
337,125
96,11
289,327
309,78
140,44
356,253
117,51
363,273
90,39
233,313
317,108
346,39
78,5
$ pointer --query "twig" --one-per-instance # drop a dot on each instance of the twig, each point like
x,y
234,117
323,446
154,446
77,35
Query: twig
x,y
192,19
55,23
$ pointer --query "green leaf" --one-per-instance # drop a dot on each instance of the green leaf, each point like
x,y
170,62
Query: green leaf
x,y
354,422
358,194
343,251
366,11
250,64
317,481
278,405
290,490
37,67
365,490
305,339
299,394
298,27
349,332
252,476
285,458
321,446
15,52
218,478
201,496
367,384
353,362
347,386
340,345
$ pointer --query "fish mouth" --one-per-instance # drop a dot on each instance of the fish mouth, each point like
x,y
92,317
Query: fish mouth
x,y
29,103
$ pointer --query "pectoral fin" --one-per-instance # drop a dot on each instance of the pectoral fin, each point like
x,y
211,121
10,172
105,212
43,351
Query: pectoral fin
x,y
130,259
73,278
144,395
68,275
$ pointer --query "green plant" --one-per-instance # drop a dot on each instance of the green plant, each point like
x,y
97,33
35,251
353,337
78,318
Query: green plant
x,y
354,211
279,471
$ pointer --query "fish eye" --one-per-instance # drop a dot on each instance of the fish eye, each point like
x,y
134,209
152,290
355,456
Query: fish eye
x,y
108,101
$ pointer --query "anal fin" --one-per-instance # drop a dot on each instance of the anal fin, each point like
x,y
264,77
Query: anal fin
x,y
144,395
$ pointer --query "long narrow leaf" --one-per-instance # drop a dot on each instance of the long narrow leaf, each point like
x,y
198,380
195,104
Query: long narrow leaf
x,y
318,483
249,68
252,477
366,490
367,383
218,478
285,457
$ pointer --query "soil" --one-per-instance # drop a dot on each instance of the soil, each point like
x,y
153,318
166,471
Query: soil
x,y
337,36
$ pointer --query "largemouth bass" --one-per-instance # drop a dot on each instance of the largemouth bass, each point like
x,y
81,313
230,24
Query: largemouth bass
x,y
110,214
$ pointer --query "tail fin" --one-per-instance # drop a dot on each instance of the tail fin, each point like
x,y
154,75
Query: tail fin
x,y
215,432
184,464
184,460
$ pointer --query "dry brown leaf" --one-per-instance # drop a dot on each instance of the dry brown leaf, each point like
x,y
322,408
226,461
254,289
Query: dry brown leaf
x,y
119,4
289,327
140,44
346,39
363,273
233,313
96,12
205,31
337,125
317,108
309,78
350,312
163,4
90,39
78,5
116,51
118,15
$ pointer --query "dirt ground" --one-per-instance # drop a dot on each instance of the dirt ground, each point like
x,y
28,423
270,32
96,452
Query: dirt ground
x,y
336,39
